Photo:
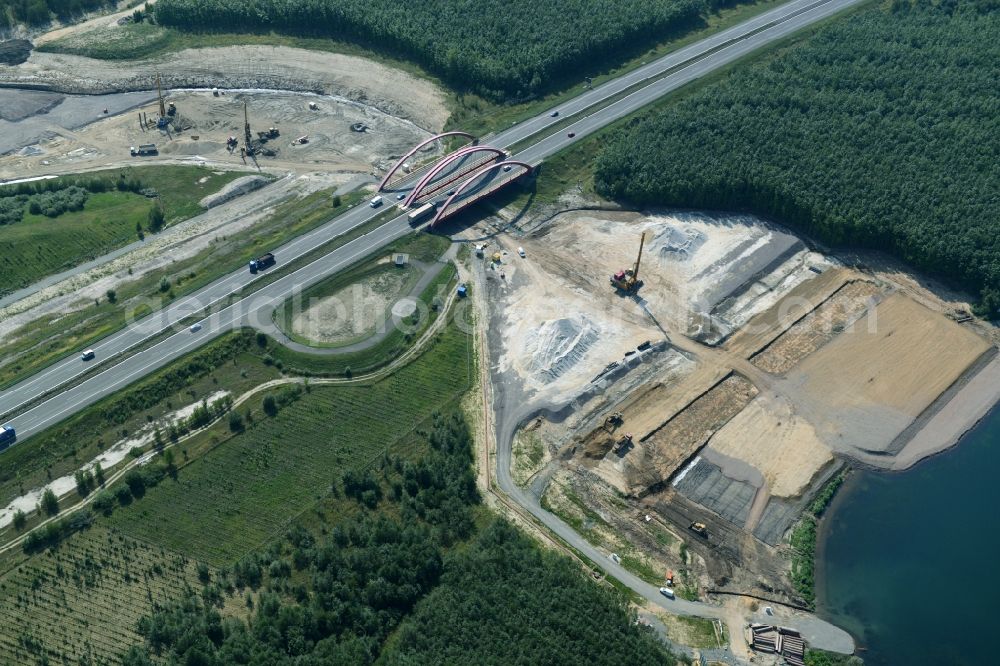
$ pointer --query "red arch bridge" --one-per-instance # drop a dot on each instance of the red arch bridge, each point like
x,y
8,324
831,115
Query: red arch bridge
x,y
477,168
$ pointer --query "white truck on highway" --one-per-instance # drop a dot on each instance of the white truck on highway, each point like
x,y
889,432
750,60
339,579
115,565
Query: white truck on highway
x,y
420,213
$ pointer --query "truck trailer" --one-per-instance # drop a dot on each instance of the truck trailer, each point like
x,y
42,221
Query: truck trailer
x,y
421,213
260,263
7,436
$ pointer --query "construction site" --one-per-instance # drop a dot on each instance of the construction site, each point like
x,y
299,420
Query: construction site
x,y
695,379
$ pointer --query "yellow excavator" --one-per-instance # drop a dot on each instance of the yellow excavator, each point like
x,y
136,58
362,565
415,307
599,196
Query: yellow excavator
x,y
627,280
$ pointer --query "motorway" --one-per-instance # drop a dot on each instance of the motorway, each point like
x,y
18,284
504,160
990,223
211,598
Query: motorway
x,y
650,82
683,66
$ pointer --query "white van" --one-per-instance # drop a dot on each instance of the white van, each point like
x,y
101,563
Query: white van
x,y
376,202
667,592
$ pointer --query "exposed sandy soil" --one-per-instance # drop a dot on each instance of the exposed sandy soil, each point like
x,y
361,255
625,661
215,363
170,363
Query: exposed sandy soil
x,y
392,91
557,350
113,455
353,311
764,327
868,383
101,21
655,459
703,274
818,327
768,435
208,121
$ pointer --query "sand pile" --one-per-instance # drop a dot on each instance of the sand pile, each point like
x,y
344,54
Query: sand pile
x,y
558,345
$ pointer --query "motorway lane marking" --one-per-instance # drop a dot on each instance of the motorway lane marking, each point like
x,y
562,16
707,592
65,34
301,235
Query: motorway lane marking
x,y
776,17
228,286
224,325
669,82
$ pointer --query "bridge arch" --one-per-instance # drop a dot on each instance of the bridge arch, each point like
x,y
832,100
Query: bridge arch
x,y
481,172
440,166
402,160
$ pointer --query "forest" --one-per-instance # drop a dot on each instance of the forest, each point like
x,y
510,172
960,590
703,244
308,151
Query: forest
x,y
40,12
880,131
410,560
505,50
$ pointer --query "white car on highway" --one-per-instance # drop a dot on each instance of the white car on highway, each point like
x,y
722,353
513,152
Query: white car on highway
x,y
667,592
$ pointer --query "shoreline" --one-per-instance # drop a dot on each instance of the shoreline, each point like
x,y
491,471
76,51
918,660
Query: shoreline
x,y
949,425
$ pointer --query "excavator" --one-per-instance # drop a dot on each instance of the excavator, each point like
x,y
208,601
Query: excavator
x,y
627,280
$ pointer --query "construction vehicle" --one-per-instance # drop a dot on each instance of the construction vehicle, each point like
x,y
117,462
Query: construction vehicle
x,y
624,443
7,436
700,529
232,142
271,133
302,139
262,262
313,106
627,280
163,120
247,136
613,420
143,149
171,109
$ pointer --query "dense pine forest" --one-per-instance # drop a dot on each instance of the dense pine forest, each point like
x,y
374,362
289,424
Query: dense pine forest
x,y
506,50
882,131
409,578
39,12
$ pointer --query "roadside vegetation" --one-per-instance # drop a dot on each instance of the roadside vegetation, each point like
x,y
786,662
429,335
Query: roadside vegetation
x,y
878,131
232,362
330,524
40,343
803,541
398,340
245,489
504,51
51,225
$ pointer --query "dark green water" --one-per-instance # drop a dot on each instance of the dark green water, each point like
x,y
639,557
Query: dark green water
x,y
910,563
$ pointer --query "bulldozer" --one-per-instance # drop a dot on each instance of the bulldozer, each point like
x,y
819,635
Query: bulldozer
x,y
627,280
700,529
613,420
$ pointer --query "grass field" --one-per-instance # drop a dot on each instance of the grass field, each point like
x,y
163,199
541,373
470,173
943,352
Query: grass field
x,y
38,246
63,449
383,352
81,604
241,493
374,277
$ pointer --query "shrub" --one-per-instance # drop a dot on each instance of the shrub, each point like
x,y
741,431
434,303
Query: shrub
x,y
50,503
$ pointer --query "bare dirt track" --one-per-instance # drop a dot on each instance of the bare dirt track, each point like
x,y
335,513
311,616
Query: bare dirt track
x,y
268,67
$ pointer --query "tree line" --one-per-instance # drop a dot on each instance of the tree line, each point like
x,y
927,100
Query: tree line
x,y
505,50
405,558
40,12
879,131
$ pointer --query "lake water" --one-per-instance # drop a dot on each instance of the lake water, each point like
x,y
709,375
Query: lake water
x,y
910,563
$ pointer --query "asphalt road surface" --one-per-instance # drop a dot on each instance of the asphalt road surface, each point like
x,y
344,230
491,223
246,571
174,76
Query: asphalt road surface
x,y
653,80
701,58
